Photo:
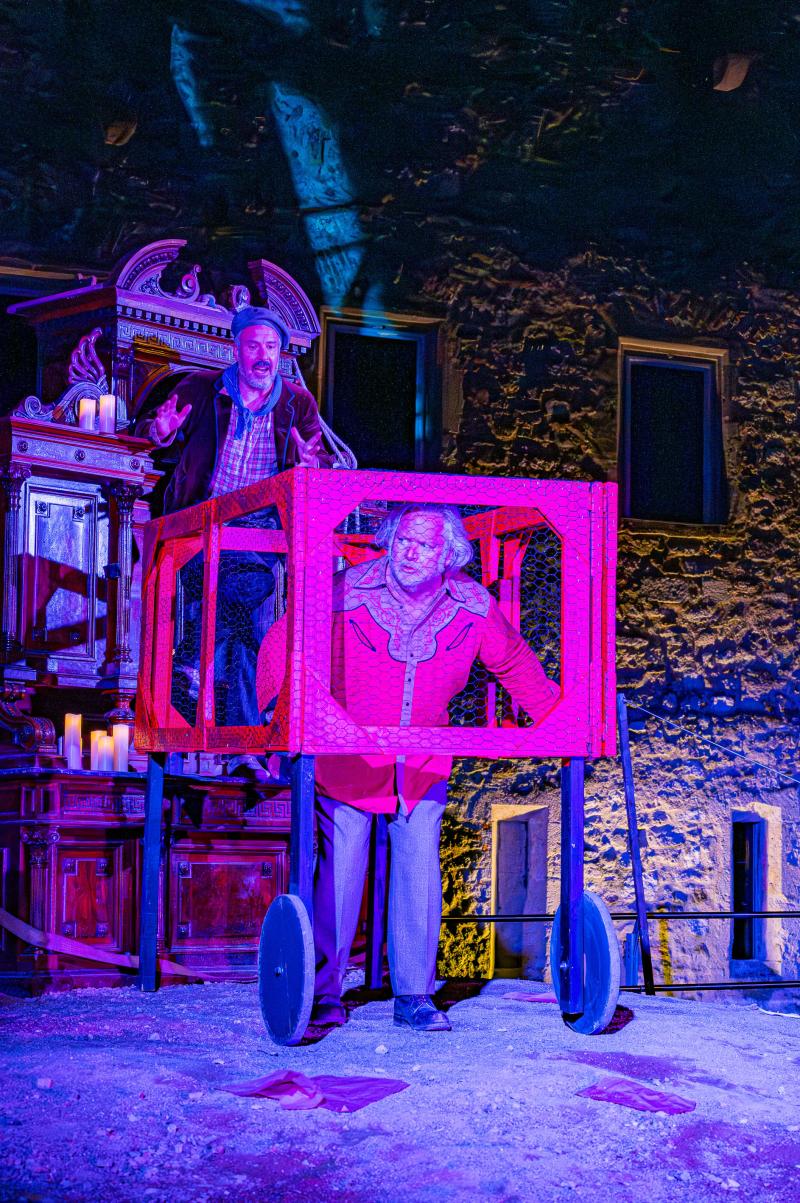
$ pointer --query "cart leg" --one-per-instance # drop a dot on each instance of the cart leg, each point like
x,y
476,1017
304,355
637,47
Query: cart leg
x,y
635,846
151,867
376,903
301,844
570,960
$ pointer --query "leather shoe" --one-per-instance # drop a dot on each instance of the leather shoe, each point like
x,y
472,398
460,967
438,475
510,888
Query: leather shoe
x,y
328,1015
251,768
417,1011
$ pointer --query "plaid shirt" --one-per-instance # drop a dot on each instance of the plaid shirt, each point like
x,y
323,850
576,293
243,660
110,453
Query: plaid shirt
x,y
248,459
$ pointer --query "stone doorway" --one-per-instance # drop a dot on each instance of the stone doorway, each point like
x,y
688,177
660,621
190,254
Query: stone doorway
x,y
519,887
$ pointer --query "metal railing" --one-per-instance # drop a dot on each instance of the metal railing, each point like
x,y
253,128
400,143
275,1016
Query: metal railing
x,y
641,916
662,987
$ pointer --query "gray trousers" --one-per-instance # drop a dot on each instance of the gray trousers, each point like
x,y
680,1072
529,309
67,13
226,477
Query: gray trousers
x,y
415,892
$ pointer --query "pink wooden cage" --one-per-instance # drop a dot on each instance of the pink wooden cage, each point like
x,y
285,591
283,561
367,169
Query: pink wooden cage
x,y
325,521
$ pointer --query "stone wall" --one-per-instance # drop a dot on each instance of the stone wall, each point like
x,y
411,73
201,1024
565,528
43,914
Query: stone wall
x,y
707,621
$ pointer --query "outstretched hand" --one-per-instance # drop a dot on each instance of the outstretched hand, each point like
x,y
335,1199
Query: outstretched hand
x,y
169,418
307,450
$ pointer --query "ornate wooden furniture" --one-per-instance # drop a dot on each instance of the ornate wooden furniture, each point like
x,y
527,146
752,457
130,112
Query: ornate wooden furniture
x,y
73,503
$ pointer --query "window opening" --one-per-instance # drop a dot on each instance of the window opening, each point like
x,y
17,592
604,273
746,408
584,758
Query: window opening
x,y
671,447
748,887
381,392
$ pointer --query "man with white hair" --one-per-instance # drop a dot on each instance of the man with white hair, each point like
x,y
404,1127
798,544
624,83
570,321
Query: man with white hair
x,y
235,428
407,628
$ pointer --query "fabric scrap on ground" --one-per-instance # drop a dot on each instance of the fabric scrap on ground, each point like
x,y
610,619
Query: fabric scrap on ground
x,y
637,1095
296,1092
518,996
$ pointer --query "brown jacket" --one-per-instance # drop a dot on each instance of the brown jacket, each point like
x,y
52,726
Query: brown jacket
x,y
203,434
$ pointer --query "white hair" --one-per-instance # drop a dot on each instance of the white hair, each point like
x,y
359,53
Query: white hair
x,y
459,548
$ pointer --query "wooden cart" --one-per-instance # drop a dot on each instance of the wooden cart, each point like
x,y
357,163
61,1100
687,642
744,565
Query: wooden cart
x,y
546,551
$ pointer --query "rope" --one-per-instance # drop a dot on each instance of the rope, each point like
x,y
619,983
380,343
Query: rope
x,y
343,455
788,777
53,942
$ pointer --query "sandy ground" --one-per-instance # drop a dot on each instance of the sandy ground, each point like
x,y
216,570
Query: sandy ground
x,y
114,1094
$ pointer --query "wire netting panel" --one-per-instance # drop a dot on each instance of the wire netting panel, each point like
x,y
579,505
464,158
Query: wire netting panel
x,y
494,610
187,636
273,619
251,596
484,701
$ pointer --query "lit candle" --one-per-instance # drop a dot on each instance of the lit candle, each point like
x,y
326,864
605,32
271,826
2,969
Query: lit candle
x,y
72,740
87,409
94,749
120,733
105,753
108,413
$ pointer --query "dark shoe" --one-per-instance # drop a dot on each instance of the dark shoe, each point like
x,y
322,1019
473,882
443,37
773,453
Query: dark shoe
x,y
328,1015
187,676
417,1011
251,768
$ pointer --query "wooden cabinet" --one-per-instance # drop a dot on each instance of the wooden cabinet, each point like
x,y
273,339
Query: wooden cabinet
x,y
70,852
219,893
71,525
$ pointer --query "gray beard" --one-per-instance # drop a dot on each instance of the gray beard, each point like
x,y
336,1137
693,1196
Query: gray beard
x,y
260,384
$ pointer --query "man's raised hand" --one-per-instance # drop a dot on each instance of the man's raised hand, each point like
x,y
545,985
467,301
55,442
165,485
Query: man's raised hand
x,y
169,418
307,450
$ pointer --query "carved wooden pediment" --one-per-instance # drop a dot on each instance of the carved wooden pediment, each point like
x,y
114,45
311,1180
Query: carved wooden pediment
x,y
150,328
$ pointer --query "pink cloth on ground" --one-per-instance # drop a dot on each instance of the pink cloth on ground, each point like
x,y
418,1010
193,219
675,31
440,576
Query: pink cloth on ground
x,y
518,996
637,1095
295,1092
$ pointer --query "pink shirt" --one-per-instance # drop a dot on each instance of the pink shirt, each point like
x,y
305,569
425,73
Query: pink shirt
x,y
383,674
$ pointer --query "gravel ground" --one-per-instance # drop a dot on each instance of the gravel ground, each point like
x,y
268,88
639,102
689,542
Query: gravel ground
x,y
114,1094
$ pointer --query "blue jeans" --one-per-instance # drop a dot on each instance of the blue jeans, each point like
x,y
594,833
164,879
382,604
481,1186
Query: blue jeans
x,y
246,580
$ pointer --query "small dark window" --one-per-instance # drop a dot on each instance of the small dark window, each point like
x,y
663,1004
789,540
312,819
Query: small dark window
x,y
672,464
381,394
748,887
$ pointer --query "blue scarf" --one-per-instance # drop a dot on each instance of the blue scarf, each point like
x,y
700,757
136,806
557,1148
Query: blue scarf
x,y
245,416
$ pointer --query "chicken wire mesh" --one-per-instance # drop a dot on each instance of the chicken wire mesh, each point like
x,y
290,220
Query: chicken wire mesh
x,y
484,701
523,578
252,581
251,595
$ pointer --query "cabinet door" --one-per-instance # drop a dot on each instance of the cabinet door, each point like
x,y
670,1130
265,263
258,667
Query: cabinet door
x,y
66,546
220,896
88,893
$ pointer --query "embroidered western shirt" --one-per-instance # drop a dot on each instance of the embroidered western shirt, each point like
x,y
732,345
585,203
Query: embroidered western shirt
x,y
385,674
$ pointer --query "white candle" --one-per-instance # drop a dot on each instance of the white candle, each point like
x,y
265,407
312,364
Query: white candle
x,y
94,749
72,740
120,733
108,413
105,754
86,413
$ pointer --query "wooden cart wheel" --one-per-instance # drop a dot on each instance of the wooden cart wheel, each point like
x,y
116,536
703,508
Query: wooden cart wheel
x,y
286,969
601,966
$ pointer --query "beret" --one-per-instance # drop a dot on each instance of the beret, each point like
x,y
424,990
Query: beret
x,y
252,316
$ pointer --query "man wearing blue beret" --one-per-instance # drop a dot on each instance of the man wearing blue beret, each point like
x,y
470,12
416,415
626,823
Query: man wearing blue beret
x,y
235,428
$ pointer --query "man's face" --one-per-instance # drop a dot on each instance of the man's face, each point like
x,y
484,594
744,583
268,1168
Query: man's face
x,y
419,551
258,355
